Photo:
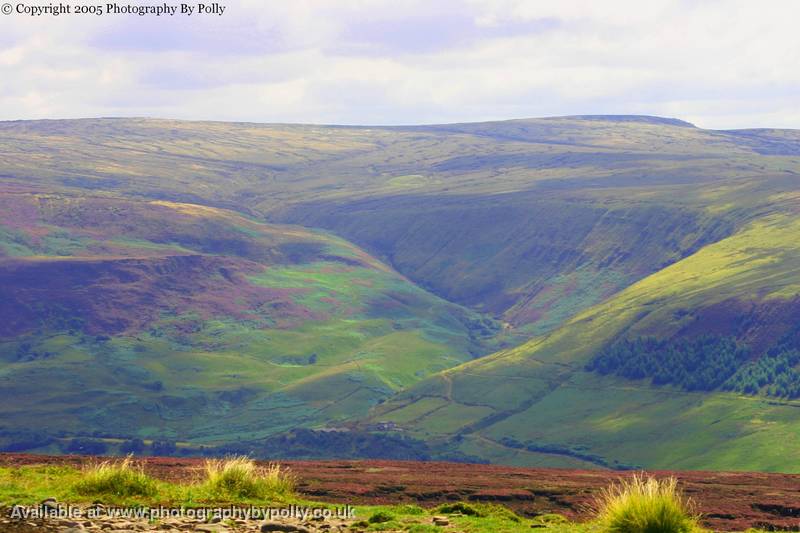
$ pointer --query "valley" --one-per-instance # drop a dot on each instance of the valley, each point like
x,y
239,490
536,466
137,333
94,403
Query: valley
x,y
446,288
153,317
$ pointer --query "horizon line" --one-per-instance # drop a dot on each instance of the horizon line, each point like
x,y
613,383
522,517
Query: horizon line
x,y
632,118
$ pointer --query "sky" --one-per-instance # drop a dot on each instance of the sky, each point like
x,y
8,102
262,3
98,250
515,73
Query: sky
x,y
717,63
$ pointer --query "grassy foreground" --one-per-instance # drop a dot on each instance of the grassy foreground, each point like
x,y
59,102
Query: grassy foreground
x,y
236,481
124,483
636,506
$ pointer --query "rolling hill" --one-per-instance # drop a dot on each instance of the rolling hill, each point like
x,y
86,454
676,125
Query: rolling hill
x,y
133,318
637,276
545,397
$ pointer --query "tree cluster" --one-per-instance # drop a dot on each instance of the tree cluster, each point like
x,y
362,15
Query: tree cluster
x,y
706,363
774,374
700,364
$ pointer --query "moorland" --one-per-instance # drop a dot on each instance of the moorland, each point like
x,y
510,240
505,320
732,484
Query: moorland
x,y
606,292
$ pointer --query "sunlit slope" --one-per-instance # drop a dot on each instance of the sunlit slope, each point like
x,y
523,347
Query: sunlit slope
x,y
539,394
529,258
560,214
170,320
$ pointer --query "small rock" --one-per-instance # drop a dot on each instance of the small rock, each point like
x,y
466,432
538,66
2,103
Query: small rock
x,y
211,528
441,521
50,503
277,526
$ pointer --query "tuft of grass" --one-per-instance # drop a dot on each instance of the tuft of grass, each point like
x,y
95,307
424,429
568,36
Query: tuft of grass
x,y
646,505
549,519
240,477
410,509
116,478
459,508
380,517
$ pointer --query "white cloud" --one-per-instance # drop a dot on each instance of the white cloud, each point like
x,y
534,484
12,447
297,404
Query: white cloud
x,y
720,64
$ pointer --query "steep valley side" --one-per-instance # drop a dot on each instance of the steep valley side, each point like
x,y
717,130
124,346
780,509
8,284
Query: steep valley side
x,y
529,258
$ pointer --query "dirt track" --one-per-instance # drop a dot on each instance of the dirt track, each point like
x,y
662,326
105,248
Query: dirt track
x,y
728,501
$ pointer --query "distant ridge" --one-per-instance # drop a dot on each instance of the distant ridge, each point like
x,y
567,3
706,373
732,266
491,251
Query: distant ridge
x,y
642,119
648,119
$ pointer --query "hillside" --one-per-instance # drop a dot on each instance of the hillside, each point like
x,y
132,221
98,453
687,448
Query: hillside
x,y
560,212
638,275
542,398
133,318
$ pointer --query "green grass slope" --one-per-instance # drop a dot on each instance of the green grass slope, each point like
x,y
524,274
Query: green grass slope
x,y
539,396
133,318
546,217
